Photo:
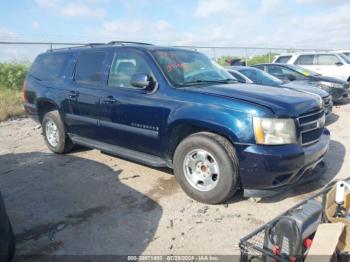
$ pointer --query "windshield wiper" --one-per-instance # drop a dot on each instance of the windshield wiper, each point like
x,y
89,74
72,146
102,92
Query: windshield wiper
x,y
221,81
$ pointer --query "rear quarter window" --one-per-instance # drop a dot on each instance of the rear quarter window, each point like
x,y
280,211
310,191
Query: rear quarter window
x,y
283,59
50,66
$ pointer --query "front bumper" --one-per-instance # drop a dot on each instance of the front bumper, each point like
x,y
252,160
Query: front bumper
x,y
339,94
270,168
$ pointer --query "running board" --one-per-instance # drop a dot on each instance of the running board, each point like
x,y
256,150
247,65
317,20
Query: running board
x,y
136,156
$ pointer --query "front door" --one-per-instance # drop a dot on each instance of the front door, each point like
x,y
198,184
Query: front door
x,y
131,117
329,65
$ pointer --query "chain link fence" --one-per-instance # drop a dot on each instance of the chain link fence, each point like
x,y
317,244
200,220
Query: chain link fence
x,y
27,51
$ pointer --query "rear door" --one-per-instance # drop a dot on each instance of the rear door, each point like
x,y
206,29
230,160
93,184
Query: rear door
x,y
84,93
306,61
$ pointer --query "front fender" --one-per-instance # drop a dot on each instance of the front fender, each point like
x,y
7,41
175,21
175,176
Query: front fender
x,y
234,125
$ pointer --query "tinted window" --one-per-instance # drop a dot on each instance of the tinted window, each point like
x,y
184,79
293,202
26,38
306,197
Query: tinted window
x,y
327,60
283,59
305,60
282,72
90,67
49,66
126,64
237,76
260,77
345,58
347,54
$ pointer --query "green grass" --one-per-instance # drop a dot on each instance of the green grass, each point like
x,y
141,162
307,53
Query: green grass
x,y
11,104
12,75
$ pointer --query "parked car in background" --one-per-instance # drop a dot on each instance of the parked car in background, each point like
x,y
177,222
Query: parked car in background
x,y
7,238
338,89
260,77
333,64
176,108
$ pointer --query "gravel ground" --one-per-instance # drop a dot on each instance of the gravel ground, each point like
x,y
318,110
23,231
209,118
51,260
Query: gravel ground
x,y
90,203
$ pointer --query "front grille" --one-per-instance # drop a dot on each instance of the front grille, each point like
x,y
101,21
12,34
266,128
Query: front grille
x,y
311,127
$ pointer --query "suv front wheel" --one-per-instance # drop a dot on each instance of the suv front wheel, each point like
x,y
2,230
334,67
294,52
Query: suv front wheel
x,y
54,133
207,168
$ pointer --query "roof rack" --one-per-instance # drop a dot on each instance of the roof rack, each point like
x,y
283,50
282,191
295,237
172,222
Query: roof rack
x,y
96,44
93,44
126,43
75,46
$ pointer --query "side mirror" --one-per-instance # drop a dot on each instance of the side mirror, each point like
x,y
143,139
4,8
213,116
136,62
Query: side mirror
x,y
338,63
141,80
291,77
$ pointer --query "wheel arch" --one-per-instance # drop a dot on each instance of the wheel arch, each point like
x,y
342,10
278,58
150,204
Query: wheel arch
x,y
184,128
45,105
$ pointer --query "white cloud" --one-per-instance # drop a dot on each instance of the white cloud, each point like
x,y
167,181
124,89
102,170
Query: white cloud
x,y
270,6
73,9
332,2
47,3
206,8
82,10
35,24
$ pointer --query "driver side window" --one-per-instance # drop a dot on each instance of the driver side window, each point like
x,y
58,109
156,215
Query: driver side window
x,y
125,65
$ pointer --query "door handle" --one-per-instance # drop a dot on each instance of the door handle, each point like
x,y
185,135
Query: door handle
x,y
110,100
73,94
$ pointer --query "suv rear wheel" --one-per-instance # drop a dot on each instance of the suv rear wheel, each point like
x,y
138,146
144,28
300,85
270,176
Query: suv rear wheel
x,y
54,133
206,167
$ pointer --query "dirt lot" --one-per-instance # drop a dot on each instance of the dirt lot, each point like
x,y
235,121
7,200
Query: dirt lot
x,y
91,203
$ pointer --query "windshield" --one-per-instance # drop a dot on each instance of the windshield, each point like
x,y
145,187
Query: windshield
x,y
186,67
303,71
345,58
258,76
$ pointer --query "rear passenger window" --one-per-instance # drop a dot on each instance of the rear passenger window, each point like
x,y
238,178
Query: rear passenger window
x,y
283,59
126,64
305,60
49,66
90,67
327,60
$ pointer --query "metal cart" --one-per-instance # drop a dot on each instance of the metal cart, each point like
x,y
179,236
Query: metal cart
x,y
252,246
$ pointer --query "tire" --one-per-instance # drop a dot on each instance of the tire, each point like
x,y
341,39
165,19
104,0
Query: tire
x,y
220,156
62,143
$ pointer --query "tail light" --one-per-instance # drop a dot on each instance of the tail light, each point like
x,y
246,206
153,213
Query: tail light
x,y
25,97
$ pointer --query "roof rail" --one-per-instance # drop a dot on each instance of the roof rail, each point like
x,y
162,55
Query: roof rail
x,y
127,42
93,44
75,46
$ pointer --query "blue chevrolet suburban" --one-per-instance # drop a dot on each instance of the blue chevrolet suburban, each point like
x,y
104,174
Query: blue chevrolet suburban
x,y
173,107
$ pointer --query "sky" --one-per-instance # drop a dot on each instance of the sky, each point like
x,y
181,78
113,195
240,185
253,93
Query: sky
x,y
319,24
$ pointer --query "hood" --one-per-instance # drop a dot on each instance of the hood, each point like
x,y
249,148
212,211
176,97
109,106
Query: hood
x,y
304,87
284,102
327,79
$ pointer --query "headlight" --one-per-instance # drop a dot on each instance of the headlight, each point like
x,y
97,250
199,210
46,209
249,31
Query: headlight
x,y
274,131
330,84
